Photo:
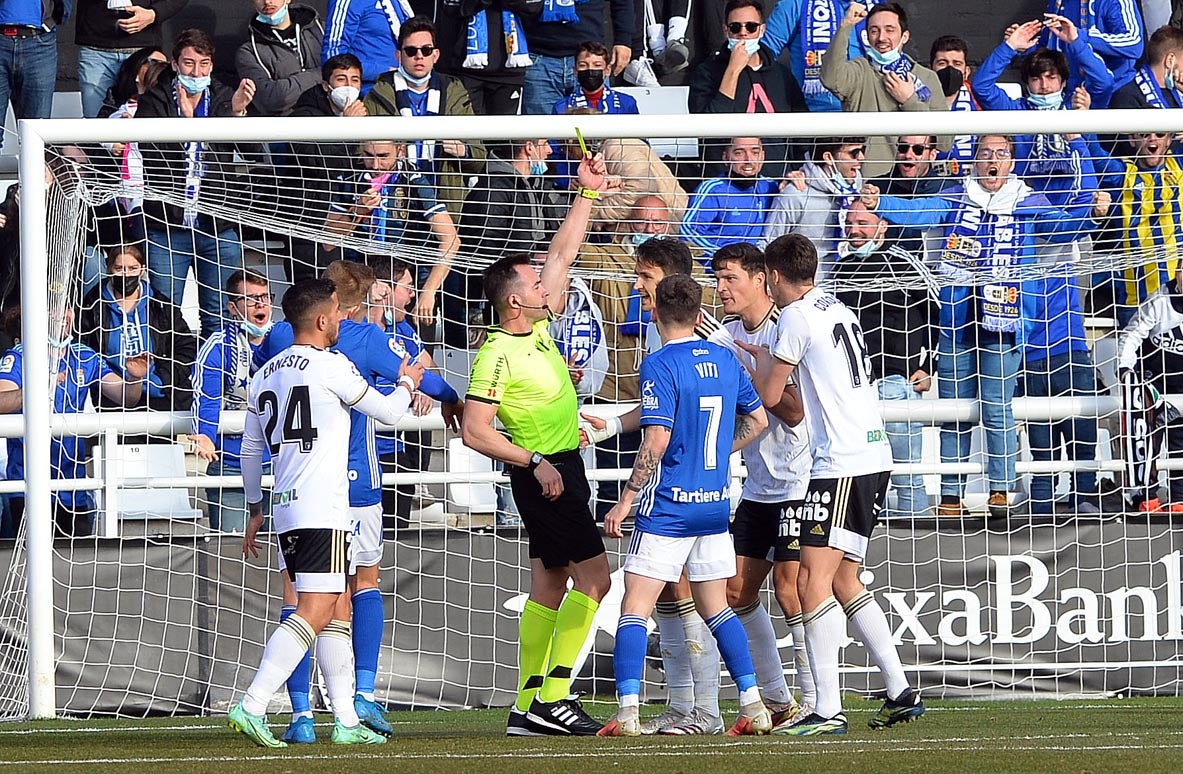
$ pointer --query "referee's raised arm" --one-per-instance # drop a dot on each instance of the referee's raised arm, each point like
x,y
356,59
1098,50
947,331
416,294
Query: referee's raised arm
x,y
592,180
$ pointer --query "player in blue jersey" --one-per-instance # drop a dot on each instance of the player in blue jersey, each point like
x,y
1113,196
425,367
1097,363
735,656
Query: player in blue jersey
x,y
697,407
390,299
377,358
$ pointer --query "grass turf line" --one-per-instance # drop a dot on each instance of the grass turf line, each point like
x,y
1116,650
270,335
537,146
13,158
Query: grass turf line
x,y
987,737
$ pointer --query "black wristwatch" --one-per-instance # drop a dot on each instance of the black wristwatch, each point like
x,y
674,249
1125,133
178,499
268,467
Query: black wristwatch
x,y
536,459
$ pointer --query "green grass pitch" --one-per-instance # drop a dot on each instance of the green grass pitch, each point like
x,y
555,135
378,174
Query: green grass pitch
x,y
1114,736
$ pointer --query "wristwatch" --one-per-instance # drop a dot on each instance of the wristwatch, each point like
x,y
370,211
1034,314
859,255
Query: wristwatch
x,y
536,459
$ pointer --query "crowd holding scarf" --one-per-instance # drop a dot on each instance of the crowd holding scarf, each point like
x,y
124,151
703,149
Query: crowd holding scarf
x,y
903,68
819,24
517,53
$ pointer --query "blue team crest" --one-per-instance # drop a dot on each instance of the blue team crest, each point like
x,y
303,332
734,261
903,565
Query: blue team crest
x,y
648,398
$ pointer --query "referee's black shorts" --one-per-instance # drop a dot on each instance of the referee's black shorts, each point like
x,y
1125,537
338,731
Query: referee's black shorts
x,y
561,531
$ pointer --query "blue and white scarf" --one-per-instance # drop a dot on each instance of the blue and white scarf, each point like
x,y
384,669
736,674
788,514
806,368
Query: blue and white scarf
x,y
397,12
1050,156
609,102
1150,89
194,166
985,241
517,53
560,11
903,68
818,25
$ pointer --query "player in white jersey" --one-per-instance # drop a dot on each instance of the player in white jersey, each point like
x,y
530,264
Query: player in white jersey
x,y
819,339
689,653
298,405
766,528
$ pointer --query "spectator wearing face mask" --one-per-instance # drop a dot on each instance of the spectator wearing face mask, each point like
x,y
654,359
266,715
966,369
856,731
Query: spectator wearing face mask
x,y
124,318
281,54
591,84
949,59
886,79
220,377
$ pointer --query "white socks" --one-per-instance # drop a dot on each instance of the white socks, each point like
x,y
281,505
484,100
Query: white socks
x,y
675,660
703,653
334,654
801,660
871,627
770,672
825,629
285,649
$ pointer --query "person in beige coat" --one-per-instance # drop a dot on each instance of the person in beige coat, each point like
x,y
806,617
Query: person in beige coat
x,y
883,81
641,172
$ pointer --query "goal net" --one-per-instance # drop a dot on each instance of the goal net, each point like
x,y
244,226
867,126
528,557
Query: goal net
x,y
1029,545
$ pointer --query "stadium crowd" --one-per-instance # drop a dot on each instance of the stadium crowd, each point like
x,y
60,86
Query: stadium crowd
x,y
911,214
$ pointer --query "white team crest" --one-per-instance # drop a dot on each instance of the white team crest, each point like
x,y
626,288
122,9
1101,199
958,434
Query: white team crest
x,y
648,398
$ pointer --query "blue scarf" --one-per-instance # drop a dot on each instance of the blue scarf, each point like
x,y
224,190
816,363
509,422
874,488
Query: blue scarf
x,y
986,243
609,101
1050,155
560,11
903,68
517,53
818,25
1150,89
194,166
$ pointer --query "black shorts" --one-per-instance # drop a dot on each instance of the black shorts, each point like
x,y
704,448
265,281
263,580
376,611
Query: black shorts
x,y
561,531
842,512
754,528
788,535
317,560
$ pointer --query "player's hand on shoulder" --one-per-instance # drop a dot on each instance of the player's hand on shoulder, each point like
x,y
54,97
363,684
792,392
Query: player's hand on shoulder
x,y
550,479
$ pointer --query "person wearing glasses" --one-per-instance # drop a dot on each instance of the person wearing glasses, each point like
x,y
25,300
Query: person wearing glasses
x,y
416,88
918,173
832,177
220,377
744,77
982,232
886,79
124,317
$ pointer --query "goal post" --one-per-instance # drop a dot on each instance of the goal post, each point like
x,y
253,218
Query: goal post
x,y
37,137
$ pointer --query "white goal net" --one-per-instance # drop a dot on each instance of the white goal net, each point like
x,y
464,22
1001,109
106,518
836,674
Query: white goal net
x,y
1029,546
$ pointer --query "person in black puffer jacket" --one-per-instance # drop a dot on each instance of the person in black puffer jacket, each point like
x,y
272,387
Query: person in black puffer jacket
x,y
281,55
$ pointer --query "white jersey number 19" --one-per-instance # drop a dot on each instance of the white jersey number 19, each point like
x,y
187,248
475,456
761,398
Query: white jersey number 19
x,y
850,337
297,419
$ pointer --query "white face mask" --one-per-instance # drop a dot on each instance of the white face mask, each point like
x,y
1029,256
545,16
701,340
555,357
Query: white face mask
x,y
342,96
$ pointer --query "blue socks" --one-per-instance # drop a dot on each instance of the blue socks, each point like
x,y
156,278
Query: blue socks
x,y
369,620
300,678
733,645
628,657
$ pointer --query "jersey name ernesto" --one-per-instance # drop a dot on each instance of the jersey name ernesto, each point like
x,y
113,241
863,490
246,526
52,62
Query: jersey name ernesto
x,y
301,399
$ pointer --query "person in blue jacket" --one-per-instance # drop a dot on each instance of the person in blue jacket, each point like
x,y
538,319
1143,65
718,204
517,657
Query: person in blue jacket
x,y
1047,75
390,297
985,233
1114,28
225,364
735,207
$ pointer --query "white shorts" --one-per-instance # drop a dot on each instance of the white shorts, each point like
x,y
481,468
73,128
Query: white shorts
x,y
706,557
367,536
319,558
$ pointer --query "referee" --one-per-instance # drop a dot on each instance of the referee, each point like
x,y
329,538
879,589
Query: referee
x,y
520,378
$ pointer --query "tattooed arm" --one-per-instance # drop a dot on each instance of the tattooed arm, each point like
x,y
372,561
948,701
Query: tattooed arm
x,y
748,427
653,445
